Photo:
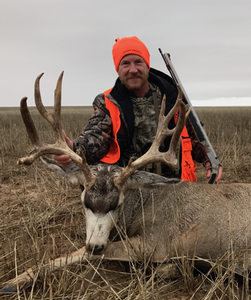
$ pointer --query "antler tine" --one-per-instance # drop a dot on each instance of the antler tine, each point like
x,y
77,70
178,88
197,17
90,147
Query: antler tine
x,y
30,127
37,96
153,154
57,97
180,122
54,117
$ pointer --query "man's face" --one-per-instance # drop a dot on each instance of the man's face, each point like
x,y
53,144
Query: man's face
x,y
133,73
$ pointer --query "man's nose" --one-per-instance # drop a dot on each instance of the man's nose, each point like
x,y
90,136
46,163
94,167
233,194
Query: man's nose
x,y
133,68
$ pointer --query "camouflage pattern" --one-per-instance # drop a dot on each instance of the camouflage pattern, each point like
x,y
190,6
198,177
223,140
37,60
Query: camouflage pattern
x,y
96,138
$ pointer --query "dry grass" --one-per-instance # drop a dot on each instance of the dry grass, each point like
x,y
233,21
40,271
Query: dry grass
x,y
229,132
42,218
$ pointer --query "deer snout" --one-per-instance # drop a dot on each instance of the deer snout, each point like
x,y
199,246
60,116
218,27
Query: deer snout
x,y
95,249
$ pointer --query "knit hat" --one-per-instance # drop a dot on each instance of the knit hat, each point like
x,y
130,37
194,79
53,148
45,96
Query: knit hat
x,y
129,45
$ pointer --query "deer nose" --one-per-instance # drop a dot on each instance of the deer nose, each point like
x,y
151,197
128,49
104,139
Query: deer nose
x,y
95,249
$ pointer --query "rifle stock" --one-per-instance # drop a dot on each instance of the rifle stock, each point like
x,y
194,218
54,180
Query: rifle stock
x,y
195,122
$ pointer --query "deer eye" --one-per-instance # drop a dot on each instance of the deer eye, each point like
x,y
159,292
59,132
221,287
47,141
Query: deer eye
x,y
88,202
81,187
114,206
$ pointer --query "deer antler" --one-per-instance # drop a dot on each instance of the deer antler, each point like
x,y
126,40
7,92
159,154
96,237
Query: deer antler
x,y
153,154
60,147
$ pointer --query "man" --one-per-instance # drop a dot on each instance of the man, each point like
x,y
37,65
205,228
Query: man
x,y
125,120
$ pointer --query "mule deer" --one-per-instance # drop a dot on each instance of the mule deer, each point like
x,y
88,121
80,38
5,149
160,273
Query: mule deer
x,y
132,214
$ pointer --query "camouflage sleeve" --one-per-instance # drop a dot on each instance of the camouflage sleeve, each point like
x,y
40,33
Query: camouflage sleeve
x,y
198,152
96,138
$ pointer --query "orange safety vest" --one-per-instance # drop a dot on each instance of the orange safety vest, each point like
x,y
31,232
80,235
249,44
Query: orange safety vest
x,y
188,165
113,154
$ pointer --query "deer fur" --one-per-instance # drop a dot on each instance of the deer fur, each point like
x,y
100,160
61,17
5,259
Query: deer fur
x,y
170,217
158,219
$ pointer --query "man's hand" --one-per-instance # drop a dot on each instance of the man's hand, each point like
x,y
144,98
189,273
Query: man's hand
x,y
64,160
208,170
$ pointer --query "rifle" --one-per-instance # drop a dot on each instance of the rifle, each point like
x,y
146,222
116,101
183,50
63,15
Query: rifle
x,y
195,122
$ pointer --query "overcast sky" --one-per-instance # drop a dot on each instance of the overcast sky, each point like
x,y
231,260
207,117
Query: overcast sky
x,y
209,42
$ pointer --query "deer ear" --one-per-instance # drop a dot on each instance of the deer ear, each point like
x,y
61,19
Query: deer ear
x,y
72,172
142,179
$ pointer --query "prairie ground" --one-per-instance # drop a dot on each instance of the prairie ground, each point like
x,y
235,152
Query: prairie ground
x,y
42,217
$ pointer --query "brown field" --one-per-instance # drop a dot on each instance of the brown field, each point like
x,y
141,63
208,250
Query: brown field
x,y
42,217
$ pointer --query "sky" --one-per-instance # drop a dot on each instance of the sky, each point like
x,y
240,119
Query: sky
x,y
209,42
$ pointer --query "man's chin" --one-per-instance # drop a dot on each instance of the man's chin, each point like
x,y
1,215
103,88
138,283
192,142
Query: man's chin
x,y
133,88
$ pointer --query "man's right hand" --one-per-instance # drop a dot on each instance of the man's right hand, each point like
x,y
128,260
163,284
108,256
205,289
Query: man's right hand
x,y
64,160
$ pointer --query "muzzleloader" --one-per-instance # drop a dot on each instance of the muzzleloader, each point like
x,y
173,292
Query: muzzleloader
x,y
195,122
132,215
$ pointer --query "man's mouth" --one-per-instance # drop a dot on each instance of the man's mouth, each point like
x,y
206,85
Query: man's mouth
x,y
138,77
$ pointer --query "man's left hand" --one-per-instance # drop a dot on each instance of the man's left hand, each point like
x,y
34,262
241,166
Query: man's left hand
x,y
208,172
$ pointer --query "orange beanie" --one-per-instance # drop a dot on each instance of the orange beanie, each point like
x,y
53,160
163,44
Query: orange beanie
x,y
129,45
